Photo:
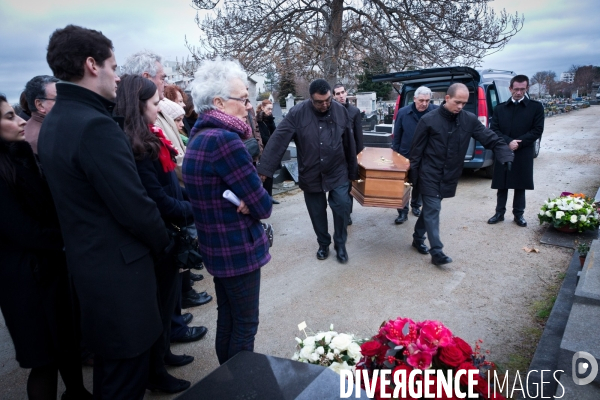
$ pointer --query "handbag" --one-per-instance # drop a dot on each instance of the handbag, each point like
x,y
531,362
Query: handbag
x,y
185,247
252,147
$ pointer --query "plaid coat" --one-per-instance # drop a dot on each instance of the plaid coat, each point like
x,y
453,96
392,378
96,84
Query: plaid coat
x,y
216,159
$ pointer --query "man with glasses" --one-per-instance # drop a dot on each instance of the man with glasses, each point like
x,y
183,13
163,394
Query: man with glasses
x,y
339,94
520,122
40,93
326,148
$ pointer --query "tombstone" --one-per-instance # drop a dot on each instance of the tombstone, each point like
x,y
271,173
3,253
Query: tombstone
x,y
289,102
277,113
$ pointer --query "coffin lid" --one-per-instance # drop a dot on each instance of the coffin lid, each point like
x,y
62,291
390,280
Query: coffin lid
x,y
378,159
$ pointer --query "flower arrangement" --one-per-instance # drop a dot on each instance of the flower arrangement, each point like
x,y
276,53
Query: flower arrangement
x,y
331,349
570,210
403,344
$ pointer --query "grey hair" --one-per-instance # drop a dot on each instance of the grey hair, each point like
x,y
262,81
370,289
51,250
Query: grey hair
x,y
212,80
36,89
140,62
423,90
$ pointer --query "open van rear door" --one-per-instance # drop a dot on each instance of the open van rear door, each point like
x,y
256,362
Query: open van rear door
x,y
430,75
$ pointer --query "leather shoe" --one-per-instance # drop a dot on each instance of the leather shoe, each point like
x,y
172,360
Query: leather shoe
x,y
178,361
349,220
340,254
323,252
520,221
274,201
421,247
416,212
440,259
188,302
187,318
167,383
496,218
402,217
192,334
196,277
192,294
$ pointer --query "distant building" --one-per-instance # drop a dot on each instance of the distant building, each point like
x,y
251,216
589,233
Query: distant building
x,y
174,76
568,77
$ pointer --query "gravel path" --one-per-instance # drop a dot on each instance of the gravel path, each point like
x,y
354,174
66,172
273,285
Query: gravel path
x,y
484,294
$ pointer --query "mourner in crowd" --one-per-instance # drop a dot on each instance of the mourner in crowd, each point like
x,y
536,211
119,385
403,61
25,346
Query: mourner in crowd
x,y
35,297
111,228
266,126
340,94
322,131
231,238
436,160
138,103
40,93
520,122
405,124
177,95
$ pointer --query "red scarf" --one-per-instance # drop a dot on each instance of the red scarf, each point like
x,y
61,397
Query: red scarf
x,y
166,149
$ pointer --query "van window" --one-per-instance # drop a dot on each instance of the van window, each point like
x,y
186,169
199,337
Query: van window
x,y
492,100
503,91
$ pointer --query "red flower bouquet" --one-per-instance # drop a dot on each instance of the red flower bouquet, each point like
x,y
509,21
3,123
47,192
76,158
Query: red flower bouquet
x,y
430,349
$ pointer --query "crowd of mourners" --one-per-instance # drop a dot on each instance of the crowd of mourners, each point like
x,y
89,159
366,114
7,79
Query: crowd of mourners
x,y
104,176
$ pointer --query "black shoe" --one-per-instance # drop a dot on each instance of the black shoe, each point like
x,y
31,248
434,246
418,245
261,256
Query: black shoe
x,y
274,201
198,266
323,252
520,221
85,395
188,302
192,294
416,212
421,247
341,254
496,218
349,220
402,217
187,318
440,259
178,361
167,383
191,335
196,277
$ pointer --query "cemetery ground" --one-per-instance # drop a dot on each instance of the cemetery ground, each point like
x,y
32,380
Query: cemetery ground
x,y
494,290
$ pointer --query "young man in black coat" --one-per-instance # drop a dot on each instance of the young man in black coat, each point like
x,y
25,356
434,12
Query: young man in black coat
x,y
436,161
326,162
111,228
339,94
520,122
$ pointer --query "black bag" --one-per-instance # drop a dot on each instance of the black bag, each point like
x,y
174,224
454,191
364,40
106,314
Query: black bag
x,y
185,247
252,147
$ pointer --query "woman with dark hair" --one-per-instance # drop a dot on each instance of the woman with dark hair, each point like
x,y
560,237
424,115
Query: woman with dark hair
x,y
266,125
34,286
138,103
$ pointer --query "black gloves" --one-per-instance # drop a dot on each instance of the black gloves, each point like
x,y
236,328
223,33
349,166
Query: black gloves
x,y
508,166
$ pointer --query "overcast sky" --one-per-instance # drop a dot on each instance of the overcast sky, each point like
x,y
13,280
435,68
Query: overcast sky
x,y
556,34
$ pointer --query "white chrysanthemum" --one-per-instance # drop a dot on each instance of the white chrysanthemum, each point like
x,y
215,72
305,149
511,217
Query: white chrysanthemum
x,y
320,350
341,341
309,341
542,212
548,214
583,218
306,352
354,351
573,219
559,214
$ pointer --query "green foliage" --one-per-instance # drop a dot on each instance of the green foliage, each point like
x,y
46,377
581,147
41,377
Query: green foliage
x,y
287,85
262,96
373,66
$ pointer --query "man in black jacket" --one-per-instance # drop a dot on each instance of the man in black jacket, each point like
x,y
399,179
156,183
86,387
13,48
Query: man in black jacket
x,y
111,228
339,94
323,135
436,160
520,122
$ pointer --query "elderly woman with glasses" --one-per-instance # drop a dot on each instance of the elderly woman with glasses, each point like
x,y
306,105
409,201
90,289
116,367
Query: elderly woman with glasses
x,y
231,239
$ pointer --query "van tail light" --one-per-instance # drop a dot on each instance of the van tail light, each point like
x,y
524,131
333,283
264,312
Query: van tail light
x,y
482,109
398,103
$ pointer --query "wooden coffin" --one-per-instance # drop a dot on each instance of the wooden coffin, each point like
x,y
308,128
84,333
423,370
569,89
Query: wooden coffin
x,y
383,179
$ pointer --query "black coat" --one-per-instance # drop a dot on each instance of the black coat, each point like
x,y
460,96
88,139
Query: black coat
x,y
325,161
266,125
525,122
110,226
439,147
32,262
356,121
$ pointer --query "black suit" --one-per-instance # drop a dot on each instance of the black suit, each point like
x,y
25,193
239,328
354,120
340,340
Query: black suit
x,y
110,226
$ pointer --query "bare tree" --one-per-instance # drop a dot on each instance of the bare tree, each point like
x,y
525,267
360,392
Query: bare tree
x,y
330,37
585,76
545,81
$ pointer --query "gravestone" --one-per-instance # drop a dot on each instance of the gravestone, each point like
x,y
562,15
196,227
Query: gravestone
x,y
289,102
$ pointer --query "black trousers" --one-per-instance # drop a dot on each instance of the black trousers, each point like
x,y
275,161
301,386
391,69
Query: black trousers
x,y
122,379
339,201
268,186
415,200
429,222
518,201
351,198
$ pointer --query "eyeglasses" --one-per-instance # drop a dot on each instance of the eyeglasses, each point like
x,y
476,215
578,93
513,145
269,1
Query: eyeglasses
x,y
46,98
245,101
321,102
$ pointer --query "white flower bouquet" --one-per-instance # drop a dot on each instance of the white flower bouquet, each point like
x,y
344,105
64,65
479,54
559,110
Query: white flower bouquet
x,y
331,349
570,211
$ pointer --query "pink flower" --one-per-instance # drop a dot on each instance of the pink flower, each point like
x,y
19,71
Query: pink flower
x,y
394,331
434,333
418,356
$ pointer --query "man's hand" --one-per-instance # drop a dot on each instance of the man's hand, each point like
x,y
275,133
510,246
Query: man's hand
x,y
514,145
243,208
508,165
262,177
